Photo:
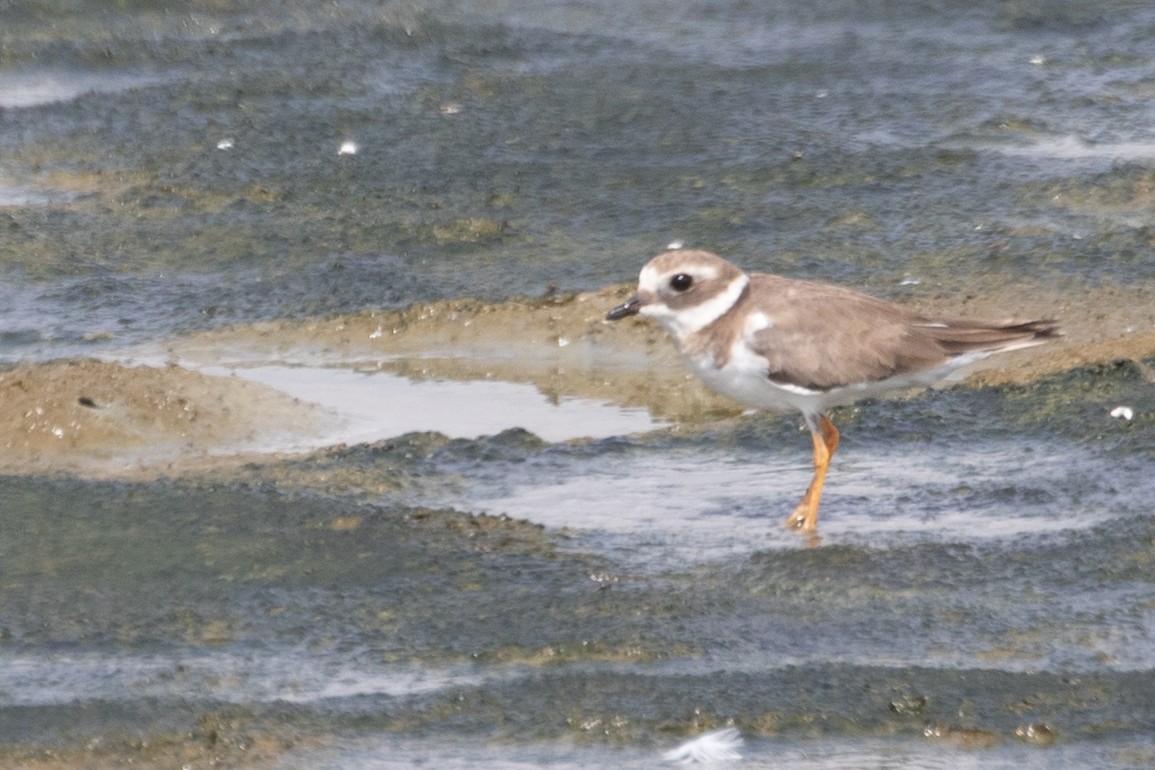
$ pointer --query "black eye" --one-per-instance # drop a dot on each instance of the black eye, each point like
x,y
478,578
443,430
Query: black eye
x,y
681,282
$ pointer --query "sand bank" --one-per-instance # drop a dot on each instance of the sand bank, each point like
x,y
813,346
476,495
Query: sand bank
x,y
243,393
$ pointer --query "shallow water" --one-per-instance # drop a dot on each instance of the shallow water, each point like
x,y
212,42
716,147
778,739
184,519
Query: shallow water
x,y
757,754
371,406
660,597
493,574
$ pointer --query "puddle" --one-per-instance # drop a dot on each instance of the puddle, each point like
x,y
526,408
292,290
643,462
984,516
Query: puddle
x,y
1073,148
33,89
373,406
670,508
14,194
899,753
285,676
109,417
1064,148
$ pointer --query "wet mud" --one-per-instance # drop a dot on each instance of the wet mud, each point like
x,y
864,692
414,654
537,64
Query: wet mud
x,y
122,419
230,234
338,529
105,419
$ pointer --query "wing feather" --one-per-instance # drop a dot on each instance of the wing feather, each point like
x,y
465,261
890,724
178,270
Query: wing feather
x,y
823,337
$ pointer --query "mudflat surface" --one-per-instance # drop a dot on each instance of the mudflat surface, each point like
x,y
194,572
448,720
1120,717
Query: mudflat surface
x,y
120,419
316,453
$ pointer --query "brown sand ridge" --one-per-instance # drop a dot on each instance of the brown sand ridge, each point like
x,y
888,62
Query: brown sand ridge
x,y
564,346
99,418
110,419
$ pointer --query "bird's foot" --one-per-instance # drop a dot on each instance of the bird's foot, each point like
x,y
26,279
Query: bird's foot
x,y
803,520
797,522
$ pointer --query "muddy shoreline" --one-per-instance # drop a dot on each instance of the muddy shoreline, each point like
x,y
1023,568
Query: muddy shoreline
x,y
149,412
305,464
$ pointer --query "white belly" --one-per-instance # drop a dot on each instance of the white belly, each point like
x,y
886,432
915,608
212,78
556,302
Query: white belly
x,y
751,387
744,378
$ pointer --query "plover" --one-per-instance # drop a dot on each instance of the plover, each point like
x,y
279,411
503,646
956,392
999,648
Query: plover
x,y
770,342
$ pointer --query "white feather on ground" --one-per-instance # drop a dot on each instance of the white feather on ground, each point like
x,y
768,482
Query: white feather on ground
x,y
718,746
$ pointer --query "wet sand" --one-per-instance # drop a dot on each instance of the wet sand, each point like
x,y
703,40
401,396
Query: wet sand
x,y
122,419
101,419
152,414
218,552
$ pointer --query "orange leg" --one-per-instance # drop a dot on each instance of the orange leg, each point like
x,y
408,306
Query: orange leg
x,y
825,436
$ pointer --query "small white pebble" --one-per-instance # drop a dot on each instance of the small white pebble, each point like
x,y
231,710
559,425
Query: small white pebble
x,y
673,245
1038,60
1123,412
348,148
450,108
225,144
909,280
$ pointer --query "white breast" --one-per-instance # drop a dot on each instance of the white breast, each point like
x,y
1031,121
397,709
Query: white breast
x,y
743,378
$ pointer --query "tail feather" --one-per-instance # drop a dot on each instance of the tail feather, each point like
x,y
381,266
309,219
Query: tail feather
x,y
959,336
